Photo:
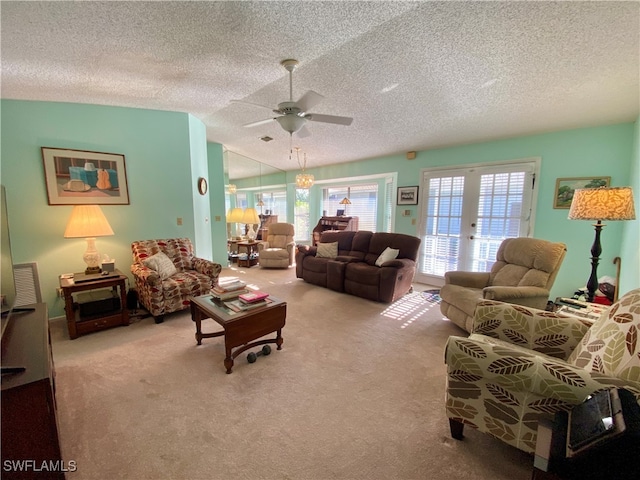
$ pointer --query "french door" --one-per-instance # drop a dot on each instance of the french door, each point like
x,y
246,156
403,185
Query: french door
x,y
466,213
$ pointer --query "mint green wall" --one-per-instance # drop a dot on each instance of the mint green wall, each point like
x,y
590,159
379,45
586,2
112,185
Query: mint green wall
x,y
630,251
598,151
199,168
218,225
164,153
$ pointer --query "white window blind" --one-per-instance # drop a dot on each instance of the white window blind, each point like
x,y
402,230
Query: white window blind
x,y
276,202
364,203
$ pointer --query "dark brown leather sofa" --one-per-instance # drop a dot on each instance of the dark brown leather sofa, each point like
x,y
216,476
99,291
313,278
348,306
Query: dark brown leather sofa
x,y
354,269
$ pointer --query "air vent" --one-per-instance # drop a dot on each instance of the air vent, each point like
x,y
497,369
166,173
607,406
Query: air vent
x,y
266,139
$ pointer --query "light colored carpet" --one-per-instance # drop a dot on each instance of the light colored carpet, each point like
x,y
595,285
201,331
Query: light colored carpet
x,y
357,392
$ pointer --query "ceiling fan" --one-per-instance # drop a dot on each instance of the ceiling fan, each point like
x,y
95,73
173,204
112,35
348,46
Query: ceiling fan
x,y
293,116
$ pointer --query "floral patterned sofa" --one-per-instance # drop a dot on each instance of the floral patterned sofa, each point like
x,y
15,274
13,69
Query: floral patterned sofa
x,y
165,286
521,363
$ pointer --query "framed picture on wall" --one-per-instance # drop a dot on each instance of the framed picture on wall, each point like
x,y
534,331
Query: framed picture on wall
x,y
566,186
77,177
407,196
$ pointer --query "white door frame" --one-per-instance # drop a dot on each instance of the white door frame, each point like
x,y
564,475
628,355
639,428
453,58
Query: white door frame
x,y
466,169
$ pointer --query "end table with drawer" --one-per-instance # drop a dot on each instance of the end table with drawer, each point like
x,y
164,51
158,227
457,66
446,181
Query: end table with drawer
x,y
78,324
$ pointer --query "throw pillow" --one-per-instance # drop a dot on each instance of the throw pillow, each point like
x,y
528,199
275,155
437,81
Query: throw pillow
x,y
610,345
161,264
327,250
388,254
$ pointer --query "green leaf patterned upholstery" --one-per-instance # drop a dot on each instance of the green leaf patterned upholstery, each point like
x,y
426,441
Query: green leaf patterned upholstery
x,y
521,363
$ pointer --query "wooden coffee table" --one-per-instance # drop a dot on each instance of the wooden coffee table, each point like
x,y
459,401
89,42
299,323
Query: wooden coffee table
x,y
241,330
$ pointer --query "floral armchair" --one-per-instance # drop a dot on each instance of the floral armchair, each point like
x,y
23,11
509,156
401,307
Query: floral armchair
x,y
521,363
167,274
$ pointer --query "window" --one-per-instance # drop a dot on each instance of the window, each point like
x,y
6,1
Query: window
x,y
241,200
388,205
275,202
364,203
468,211
301,216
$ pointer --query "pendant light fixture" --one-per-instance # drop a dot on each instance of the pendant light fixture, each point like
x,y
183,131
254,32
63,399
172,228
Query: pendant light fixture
x,y
303,179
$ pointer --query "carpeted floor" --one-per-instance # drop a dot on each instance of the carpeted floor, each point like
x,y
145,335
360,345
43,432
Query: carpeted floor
x,y
432,295
357,392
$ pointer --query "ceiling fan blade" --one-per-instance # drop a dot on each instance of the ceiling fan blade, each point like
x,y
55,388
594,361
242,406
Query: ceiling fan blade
x,y
242,102
309,100
303,132
260,122
317,117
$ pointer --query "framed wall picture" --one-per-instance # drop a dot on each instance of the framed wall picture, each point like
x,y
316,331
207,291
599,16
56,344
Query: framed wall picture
x,y
77,177
407,196
566,186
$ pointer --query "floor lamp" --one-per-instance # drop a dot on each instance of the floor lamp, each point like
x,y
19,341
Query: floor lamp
x,y
604,203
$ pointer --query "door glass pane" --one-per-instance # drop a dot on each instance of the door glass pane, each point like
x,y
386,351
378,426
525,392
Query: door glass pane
x,y
499,216
441,238
468,212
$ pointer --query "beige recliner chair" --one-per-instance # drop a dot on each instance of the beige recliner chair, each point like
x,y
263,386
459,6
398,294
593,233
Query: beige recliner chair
x,y
523,273
278,250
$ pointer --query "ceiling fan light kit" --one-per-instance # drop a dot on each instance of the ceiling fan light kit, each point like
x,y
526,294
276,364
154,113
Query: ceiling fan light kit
x,y
294,115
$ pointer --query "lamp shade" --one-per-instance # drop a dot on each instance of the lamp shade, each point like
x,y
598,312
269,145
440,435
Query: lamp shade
x,y
612,203
250,216
235,215
87,221
345,201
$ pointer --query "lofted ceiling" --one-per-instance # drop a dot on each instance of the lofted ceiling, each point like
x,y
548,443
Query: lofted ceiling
x,y
413,75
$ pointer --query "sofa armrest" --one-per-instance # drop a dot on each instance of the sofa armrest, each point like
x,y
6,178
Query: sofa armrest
x,y
262,246
207,267
399,263
550,333
517,369
145,274
305,250
467,279
509,294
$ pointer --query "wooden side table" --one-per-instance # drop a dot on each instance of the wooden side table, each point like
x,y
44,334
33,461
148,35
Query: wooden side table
x,y
252,254
249,247
80,326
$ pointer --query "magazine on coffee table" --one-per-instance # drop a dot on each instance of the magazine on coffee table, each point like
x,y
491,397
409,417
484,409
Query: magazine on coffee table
x,y
240,306
252,297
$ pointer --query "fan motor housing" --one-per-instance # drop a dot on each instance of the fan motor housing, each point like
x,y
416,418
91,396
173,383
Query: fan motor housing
x,y
288,107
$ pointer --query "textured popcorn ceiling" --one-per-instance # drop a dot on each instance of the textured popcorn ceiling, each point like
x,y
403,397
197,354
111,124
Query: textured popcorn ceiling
x,y
413,75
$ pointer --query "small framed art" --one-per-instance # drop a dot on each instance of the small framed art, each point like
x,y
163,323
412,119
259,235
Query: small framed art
x,y
407,196
566,186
